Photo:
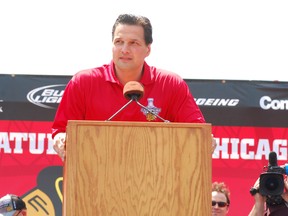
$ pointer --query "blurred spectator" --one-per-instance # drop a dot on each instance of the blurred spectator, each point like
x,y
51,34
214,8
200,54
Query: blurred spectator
x,y
12,205
220,199
264,208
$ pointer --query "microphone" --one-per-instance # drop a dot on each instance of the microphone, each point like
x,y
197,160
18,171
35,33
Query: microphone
x,y
272,159
273,165
134,91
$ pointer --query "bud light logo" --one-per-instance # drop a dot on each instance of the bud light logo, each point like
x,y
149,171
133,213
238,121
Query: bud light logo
x,y
47,96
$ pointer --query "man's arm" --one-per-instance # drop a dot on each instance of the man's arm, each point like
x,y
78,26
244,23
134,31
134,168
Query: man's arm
x,y
259,206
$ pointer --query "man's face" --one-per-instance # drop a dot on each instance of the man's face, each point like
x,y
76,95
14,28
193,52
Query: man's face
x,y
217,210
129,48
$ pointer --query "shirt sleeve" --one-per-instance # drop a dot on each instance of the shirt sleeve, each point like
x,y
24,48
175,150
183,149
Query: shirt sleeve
x,y
71,106
186,109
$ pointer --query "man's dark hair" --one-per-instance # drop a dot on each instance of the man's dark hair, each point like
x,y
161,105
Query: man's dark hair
x,y
130,19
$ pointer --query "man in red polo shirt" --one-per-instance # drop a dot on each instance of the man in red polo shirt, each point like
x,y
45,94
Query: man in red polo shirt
x,y
97,94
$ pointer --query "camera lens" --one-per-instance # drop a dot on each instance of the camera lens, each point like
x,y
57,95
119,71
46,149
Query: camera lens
x,y
271,184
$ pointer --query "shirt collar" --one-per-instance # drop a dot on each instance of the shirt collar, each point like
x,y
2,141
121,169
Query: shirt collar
x,y
146,78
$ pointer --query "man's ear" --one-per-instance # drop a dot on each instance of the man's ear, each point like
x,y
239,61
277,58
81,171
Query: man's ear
x,y
148,50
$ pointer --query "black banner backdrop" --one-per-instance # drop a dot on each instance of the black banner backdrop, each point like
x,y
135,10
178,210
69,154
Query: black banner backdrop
x,y
249,120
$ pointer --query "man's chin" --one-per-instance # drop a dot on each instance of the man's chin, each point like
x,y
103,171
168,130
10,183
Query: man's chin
x,y
216,213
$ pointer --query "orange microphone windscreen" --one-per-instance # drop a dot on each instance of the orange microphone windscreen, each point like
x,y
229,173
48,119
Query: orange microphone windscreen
x,y
133,90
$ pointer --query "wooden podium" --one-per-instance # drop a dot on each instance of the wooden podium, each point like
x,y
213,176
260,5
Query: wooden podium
x,y
137,169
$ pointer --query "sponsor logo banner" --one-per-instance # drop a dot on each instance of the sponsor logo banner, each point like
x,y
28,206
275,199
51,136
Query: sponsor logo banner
x,y
248,119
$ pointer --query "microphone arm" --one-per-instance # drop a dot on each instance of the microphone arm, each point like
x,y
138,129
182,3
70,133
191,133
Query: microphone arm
x,y
134,97
120,110
133,91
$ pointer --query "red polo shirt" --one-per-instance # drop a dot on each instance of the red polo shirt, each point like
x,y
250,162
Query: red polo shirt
x,y
96,94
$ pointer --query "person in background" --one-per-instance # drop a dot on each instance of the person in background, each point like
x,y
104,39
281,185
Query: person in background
x,y
262,208
220,199
97,93
12,205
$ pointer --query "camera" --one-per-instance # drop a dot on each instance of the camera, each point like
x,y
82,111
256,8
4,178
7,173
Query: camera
x,y
271,182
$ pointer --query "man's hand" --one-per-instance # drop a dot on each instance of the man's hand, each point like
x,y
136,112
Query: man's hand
x,y
60,144
259,205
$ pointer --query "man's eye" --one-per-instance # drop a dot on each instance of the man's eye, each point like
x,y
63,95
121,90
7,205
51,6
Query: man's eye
x,y
134,43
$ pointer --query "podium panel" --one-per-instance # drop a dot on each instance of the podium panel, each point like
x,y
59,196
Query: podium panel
x,y
137,169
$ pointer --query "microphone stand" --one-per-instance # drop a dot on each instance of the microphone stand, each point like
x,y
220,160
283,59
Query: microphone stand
x,y
120,110
134,97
